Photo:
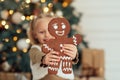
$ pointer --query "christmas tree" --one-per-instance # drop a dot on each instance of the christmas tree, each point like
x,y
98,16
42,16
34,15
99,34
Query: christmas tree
x,y
15,16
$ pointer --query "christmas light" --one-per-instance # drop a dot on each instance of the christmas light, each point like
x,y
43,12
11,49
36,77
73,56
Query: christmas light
x,y
24,50
28,1
14,49
15,38
18,30
23,18
45,9
11,12
6,26
27,40
3,22
31,17
50,5
6,40
1,0
43,1
65,4
27,17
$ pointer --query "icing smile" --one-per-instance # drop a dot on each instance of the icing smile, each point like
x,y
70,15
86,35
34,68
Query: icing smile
x,y
60,33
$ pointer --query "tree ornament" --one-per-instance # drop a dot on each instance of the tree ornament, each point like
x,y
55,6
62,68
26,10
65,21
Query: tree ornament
x,y
4,14
6,66
22,44
17,17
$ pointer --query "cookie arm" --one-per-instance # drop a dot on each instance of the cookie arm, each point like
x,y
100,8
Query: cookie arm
x,y
77,39
46,48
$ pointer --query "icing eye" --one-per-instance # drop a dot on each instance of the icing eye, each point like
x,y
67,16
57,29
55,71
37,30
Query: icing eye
x,y
55,26
63,26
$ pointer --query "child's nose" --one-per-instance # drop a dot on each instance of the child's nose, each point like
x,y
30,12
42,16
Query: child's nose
x,y
47,34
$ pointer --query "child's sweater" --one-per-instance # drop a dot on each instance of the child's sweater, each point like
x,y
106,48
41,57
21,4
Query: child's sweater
x,y
39,72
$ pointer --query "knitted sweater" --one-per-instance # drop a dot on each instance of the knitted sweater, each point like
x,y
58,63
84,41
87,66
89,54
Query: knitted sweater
x,y
39,72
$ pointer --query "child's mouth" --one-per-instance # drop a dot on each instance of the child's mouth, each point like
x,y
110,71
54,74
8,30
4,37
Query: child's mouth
x,y
45,40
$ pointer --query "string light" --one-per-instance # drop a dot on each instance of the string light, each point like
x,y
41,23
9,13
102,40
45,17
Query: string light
x,y
14,49
27,40
23,18
6,40
24,50
31,17
3,22
15,38
64,4
28,18
28,1
50,5
1,0
43,1
45,9
11,12
6,26
18,30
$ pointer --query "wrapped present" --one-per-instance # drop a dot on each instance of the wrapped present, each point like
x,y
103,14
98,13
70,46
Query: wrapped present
x,y
96,78
10,76
93,62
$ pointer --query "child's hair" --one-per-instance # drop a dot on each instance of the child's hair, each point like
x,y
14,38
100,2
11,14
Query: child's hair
x,y
32,23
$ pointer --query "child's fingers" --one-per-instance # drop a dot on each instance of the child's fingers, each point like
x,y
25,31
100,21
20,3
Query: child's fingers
x,y
70,53
54,56
69,45
54,53
53,60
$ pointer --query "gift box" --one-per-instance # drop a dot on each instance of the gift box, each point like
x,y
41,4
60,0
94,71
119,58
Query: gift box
x,y
90,78
92,62
14,76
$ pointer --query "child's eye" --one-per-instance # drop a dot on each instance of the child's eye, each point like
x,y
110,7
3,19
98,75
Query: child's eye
x,y
55,27
41,32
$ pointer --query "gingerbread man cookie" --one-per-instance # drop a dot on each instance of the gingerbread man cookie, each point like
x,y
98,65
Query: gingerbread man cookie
x,y
60,28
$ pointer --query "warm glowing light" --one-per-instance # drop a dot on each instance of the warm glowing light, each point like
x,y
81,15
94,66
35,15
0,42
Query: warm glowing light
x,y
1,0
45,9
6,26
50,5
31,17
18,30
11,12
14,49
27,40
24,50
28,18
15,38
6,40
65,4
23,18
28,1
3,22
43,1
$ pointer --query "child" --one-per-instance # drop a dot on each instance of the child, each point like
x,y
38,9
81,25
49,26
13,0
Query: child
x,y
38,34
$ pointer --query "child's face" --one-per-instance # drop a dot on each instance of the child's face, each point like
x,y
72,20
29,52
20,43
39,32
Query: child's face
x,y
41,30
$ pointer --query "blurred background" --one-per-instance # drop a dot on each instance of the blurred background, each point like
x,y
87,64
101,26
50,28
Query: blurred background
x,y
97,21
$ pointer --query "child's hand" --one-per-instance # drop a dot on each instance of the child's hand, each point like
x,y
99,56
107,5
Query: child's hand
x,y
51,57
70,50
